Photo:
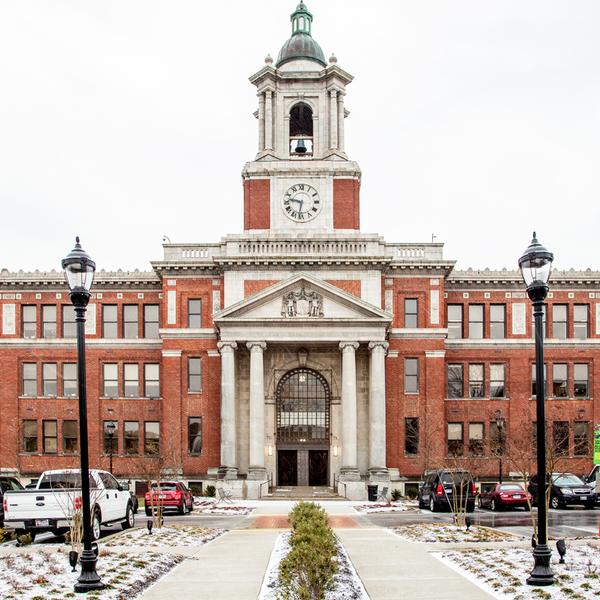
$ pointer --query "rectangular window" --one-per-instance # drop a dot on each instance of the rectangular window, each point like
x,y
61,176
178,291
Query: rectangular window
x,y
152,380
411,312
130,321
30,435
476,439
497,439
110,375
455,439
131,376
559,321
194,313
411,375
455,321
455,381
476,387
151,320
69,379
194,375
49,321
560,437
497,321
49,379
69,435
29,321
29,384
110,321
497,381
580,381
580,321
476,321
50,437
534,381
195,435
151,437
581,438
110,438
559,381
131,437
411,436
69,326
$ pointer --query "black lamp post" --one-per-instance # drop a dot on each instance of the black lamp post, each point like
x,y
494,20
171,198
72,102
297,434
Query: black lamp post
x,y
79,271
536,266
110,426
500,423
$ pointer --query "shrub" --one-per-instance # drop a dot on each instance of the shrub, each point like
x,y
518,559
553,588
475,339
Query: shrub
x,y
396,495
211,491
307,572
24,539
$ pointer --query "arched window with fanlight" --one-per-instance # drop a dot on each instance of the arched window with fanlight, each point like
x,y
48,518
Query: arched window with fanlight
x,y
301,129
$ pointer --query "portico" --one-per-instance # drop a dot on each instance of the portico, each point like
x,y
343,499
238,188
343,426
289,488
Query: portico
x,y
330,346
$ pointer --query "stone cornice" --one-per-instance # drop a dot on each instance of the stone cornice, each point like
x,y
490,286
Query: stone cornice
x,y
520,343
513,278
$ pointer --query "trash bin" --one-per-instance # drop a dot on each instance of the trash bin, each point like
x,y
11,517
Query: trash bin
x,y
372,492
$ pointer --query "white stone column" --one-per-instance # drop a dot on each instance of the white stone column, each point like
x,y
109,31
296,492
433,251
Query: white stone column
x,y
256,468
333,120
349,469
269,120
377,447
340,114
261,122
228,468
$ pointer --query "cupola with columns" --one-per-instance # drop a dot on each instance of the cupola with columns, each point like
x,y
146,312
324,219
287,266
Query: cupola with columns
x,y
301,179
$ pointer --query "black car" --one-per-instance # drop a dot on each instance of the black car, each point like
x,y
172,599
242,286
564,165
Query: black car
x,y
447,489
567,489
7,484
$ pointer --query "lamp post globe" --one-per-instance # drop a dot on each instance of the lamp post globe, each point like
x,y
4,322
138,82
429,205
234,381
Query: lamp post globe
x,y
536,265
79,271
110,426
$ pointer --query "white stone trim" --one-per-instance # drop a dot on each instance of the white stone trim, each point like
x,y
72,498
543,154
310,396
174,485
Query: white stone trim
x,y
423,332
9,323
435,353
176,333
171,353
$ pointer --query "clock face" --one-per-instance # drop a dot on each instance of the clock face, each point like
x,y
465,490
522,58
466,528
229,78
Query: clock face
x,y
301,202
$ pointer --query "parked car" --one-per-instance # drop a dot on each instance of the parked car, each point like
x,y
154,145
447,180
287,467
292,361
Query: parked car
x,y
504,495
567,489
7,483
32,484
445,489
134,499
50,506
171,495
594,480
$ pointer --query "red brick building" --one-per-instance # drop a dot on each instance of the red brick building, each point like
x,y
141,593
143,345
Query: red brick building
x,y
301,351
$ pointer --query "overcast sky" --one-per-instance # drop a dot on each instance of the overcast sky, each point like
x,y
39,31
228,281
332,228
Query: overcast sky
x,y
476,121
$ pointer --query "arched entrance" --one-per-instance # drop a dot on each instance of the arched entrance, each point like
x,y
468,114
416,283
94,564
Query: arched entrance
x,y
303,403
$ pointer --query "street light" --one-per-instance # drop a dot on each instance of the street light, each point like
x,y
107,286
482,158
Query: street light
x,y
536,266
500,423
79,271
111,436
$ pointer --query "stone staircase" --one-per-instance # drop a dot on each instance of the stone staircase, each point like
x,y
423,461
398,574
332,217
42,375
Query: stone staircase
x,y
301,492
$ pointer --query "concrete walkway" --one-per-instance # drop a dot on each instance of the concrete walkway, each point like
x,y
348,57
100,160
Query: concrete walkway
x,y
393,569
231,567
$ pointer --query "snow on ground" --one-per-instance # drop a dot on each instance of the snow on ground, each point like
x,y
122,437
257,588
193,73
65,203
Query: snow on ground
x,y
44,574
348,585
447,532
211,507
503,572
176,535
392,507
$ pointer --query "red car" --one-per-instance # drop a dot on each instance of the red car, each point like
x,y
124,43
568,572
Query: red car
x,y
505,495
171,495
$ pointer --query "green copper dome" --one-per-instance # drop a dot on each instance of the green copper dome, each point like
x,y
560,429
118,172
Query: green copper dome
x,y
301,44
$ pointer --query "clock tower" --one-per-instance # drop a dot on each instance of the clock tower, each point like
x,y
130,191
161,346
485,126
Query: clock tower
x,y
301,180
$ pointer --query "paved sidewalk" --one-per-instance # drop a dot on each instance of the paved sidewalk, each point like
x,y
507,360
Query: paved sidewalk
x,y
393,569
231,567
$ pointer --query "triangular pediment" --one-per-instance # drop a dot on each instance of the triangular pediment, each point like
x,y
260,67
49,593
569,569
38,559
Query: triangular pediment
x,y
302,298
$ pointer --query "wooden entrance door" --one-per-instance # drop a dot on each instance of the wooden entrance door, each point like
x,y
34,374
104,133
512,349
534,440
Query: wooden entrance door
x,y
317,467
287,467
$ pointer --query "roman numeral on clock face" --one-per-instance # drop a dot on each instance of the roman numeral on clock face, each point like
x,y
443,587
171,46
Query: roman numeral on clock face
x,y
301,202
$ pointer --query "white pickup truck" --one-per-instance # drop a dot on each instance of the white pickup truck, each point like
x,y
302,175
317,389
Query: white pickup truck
x,y
50,506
